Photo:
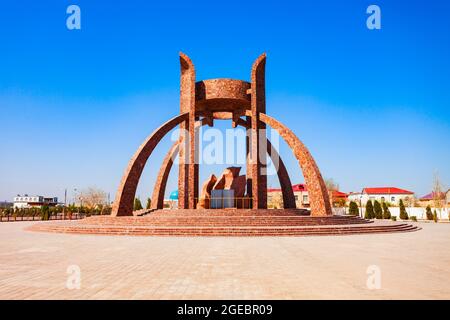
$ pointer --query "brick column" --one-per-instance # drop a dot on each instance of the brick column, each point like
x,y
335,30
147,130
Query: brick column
x,y
256,164
188,169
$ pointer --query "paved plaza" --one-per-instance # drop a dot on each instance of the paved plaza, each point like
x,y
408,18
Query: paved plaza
x,y
413,265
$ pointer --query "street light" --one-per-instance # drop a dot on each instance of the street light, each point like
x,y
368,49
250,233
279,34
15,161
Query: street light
x,y
360,205
81,205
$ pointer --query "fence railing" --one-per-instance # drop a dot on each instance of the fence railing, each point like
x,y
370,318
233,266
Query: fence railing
x,y
226,202
39,217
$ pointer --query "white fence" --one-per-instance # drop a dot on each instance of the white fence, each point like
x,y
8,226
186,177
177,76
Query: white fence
x,y
419,213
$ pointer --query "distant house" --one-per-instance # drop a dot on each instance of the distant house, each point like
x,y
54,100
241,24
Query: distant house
x,y
384,194
27,201
338,198
302,196
354,196
429,199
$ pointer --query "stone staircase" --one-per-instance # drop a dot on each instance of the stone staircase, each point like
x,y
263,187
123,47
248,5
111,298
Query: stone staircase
x,y
224,222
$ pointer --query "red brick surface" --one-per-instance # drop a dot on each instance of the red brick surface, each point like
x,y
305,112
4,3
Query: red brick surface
x,y
225,222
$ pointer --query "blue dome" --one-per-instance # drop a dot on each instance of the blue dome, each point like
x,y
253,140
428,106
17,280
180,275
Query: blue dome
x,y
174,195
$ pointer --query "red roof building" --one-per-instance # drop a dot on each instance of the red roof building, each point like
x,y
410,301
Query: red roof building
x,y
302,197
386,190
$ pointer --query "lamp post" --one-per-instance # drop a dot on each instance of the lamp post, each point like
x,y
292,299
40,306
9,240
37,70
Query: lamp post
x,y
81,205
360,205
65,203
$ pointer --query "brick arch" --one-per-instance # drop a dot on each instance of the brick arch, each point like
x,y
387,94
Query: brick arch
x,y
318,193
123,204
163,174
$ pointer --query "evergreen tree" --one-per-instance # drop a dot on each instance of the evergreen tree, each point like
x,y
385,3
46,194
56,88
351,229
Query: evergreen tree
x,y
45,212
353,209
149,203
377,210
429,213
369,214
403,213
137,204
435,217
386,212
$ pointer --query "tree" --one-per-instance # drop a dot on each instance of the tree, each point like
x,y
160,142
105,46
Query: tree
x,y
353,209
331,185
276,200
369,214
438,198
149,203
93,197
377,210
45,212
386,212
435,217
429,213
403,213
409,201
137,204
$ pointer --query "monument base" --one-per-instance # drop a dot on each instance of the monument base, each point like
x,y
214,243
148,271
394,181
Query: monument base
x,y
224,222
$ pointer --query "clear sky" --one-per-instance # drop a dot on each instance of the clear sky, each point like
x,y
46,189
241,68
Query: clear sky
x,y
373,106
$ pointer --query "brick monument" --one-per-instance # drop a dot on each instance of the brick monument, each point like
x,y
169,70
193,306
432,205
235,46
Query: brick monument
x,y
202,102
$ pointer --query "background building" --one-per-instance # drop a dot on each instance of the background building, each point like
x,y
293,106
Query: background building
x,y
385,194
275,197
430,199
27,201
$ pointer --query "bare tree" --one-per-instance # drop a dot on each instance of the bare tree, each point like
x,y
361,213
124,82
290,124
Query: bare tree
x,y
437,193
410,201
276,200
331,184
93,197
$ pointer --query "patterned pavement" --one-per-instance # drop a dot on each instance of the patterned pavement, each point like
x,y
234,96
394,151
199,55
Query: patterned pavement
x,y
45,266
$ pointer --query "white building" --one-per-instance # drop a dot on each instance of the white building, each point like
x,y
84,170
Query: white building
x,y
300,193
27,201
381,194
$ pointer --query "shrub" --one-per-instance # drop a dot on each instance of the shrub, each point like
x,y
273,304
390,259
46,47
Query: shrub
x,y
403,213
137,204
369,214
386,212
353,209
377,210
414,218
435,217
394,218
149,203
45,212
429,213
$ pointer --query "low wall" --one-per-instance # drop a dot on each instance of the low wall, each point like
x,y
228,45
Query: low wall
x,y
414,211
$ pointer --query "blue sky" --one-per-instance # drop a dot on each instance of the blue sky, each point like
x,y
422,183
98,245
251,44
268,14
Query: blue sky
x,y
371,105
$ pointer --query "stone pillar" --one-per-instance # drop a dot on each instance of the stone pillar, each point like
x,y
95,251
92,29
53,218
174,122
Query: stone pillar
x,y
256,162
188,168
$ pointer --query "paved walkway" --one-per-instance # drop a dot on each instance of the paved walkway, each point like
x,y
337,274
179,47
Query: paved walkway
x,y
412,265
